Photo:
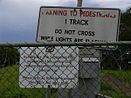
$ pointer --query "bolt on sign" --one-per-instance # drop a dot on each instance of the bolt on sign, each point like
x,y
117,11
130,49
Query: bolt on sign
x,y
40,67
77,25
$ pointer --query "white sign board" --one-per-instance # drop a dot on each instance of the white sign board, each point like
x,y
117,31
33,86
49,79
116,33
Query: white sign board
x,y
77,25
40,68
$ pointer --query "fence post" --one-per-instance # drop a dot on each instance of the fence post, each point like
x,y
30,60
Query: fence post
x,y
48,92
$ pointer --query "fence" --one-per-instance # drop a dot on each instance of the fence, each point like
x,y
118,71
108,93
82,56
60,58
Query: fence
x,y
94,70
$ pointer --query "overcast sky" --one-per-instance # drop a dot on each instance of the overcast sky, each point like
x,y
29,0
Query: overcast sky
x,y
18,18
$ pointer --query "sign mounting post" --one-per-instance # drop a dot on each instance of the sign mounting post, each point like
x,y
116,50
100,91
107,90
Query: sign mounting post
x,y
79,3
84,71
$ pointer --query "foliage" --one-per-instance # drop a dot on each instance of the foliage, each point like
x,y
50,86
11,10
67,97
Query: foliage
x,y
8,56
125,28
118,59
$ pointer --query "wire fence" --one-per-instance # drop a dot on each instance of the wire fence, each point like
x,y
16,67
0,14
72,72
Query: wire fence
x,y
93,70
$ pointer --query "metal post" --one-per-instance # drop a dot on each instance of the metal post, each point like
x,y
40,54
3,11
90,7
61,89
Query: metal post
x,y
89,80
48,94
69,93
79,3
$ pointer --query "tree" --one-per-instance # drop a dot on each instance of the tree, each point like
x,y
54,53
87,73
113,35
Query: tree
x,y
125,27
8,56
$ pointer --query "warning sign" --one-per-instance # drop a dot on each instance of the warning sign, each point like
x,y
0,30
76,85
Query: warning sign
x,y
42,67
77,25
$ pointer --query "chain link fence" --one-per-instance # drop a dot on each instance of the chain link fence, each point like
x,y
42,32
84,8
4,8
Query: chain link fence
x,y
94,70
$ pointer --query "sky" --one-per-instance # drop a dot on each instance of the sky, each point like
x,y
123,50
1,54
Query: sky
x,y
19,18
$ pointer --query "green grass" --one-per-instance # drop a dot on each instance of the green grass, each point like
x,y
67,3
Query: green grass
x,y
109,89
121,75
9,85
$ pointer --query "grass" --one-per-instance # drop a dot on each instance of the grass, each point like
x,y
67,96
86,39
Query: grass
x,y
108,90
115,86
9,85
121,75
